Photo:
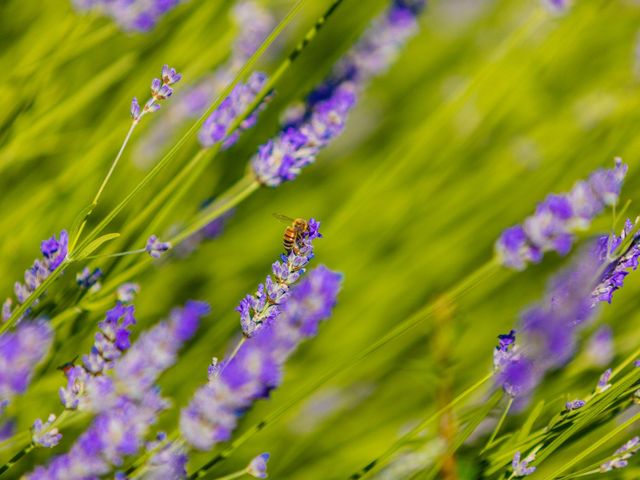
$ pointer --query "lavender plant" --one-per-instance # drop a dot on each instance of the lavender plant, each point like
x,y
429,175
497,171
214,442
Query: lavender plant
x,y
437,151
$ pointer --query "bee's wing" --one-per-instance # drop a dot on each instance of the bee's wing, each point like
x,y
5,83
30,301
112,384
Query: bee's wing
x,y
283,218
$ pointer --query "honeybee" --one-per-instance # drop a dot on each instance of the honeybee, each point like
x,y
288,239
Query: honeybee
x,y
66,366
293,232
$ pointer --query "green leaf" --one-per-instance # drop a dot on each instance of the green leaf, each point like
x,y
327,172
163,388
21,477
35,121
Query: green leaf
x,y
93,246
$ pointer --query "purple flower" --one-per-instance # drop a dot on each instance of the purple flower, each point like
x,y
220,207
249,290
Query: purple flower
x,y
521,468
21,351
130,15
558,217
256,369
257,468
160,91
168,462
169,75
127,292
600,346
548,330
263,307
155,247
54,252
255,24
217,125
624,453
283,158
574,405
557,5
603,381
113,435
619,264
135,109
323,118
87,278
128,403
156,350
43,435
111,340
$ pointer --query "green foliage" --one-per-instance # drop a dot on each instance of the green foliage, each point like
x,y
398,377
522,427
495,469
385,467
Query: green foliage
x,y
491,107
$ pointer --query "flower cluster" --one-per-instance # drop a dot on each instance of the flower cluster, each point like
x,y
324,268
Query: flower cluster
x,y
618,266
552,226
256,369
549,328
622,455
255,23
263,307
128,402
323,118
54,252
217,125
258,466
160,90
113,435
130,15
574,405
20,351
603,382
521,467
155,247
89,279
43,434
153,352
169,460
127,292
111,341
600,346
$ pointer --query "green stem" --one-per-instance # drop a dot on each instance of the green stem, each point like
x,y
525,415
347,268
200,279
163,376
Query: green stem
x,y
597,444
377,462
498,426
164,162
16,458
119,254
103,185
231,476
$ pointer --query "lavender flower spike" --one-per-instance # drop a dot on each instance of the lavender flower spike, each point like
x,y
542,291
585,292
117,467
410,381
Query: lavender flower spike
x,y
160,91
128,402
54,252
624,453
574,405
256,369
43,434
130,15
155,247
313,127
111,341
113,435
263,307
603,381
20,351
215,128
257,468
521,468
618,267
556,219
168,462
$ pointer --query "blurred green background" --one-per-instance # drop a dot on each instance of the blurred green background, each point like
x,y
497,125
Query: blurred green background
x,y
493,105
